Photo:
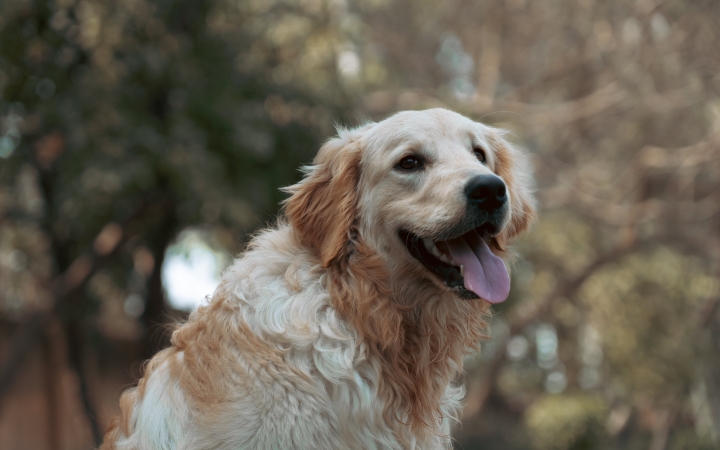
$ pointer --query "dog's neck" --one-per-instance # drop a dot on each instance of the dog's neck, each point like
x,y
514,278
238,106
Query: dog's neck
x,y
419,333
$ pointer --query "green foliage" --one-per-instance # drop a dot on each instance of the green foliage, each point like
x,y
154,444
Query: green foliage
x,y
146,112
647,307
565,422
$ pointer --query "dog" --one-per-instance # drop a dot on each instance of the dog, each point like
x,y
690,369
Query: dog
x,y
346,324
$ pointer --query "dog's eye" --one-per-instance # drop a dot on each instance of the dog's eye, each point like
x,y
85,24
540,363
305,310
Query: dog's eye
x,y
480,154
409,164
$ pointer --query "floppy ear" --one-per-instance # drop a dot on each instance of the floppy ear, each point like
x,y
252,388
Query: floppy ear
x,y
322,206
513,167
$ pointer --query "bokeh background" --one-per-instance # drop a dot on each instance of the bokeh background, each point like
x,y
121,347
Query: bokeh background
x,y
142,141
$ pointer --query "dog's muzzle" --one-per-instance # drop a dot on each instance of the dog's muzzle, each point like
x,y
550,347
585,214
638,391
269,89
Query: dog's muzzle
x,y
460,255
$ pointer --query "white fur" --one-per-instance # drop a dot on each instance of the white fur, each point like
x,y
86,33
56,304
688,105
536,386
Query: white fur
x,y
340,410
161,419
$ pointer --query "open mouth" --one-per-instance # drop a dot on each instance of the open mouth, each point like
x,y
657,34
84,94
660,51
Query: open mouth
x,y
464,263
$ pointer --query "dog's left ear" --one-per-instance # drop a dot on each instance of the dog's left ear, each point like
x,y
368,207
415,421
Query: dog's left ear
x,y
513,167
322,205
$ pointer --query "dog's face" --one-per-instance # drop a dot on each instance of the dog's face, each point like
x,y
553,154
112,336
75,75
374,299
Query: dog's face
x,y
432,192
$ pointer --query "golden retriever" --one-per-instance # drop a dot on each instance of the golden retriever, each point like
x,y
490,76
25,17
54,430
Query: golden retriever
x,y
344,326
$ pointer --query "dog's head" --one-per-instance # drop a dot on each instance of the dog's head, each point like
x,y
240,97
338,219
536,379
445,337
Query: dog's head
x,y
434,194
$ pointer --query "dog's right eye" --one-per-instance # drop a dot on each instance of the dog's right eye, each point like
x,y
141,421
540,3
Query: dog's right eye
x,y
409,164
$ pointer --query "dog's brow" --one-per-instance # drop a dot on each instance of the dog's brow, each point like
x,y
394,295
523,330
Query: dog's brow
x,y
476,138
400,145
479,139
404,141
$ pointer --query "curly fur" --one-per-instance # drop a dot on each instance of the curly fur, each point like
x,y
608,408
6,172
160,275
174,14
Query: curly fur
x,y
325,333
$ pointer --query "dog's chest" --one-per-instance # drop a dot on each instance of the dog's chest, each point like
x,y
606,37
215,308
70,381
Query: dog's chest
x,y
350,381
327,391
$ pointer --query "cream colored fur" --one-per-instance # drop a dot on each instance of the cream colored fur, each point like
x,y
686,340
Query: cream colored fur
x,y
326,333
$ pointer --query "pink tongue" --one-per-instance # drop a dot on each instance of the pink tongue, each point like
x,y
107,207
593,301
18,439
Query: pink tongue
x,y
485,273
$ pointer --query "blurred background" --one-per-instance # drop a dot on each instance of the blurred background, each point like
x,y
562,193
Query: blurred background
x,y
142,141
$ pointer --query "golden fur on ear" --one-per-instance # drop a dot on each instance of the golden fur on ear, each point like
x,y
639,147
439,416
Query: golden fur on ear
x,y
322,205
511,166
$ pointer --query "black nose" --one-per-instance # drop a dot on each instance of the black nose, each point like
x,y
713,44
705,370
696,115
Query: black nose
x,y
487,192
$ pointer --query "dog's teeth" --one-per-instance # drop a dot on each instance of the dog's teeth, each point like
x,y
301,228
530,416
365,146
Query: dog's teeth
x,y
432,248
462,270
428,244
